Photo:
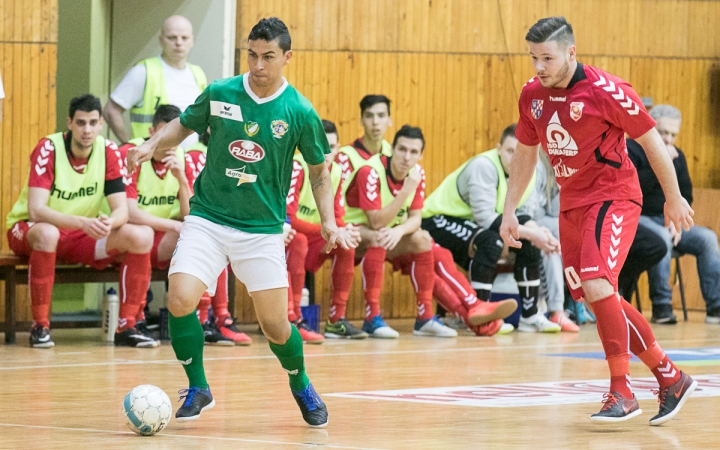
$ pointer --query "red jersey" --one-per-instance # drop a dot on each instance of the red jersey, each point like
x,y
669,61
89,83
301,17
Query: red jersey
x,y
42,163
293,203
363,193
161,171
582,128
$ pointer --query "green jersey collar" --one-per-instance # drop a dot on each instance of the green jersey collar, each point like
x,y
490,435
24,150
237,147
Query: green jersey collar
x,y
258,100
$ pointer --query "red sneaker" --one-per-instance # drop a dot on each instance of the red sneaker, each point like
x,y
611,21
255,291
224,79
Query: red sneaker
x,y
483,312
229,330
564,321
308,335
488,329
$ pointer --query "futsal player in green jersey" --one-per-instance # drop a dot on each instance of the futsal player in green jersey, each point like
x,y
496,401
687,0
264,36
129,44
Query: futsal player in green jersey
x,y
257,120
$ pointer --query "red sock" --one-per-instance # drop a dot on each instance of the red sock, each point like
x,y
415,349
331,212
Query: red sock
x,y
292,316
445,268
613,329
296,254
343,271
423,279
203,307
447,298
373,271
134,281
41,277
645,347
220,299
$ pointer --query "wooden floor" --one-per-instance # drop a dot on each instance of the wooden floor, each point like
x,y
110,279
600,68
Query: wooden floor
x,y
70,396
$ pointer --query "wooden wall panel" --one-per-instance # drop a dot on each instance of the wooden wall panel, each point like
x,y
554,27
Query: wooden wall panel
x,y
456,67
28,52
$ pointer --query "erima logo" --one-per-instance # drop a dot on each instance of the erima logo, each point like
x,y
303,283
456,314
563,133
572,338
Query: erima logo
x,y
186,363
557,99
291,372
226,110
589,269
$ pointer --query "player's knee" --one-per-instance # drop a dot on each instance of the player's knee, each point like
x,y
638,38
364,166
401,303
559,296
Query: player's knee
x,y
276,330
43,237
139,238
421,241
488,247
181,304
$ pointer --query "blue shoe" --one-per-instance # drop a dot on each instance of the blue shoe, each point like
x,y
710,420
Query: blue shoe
x,y
433,327
196,401
589,316
377,328
312,408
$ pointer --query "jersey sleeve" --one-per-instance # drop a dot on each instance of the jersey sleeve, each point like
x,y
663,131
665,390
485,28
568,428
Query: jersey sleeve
x,y
525,131
115,169
339,207
42,165
313,143
296,183
623,108
345,164
130,90
197,116
419,198
130,181
368,189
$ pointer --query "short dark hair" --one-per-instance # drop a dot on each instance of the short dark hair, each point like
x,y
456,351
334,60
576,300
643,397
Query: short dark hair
x,y
165,113
508,132
270,30
371,100
551,29
410,132
329,127
85,103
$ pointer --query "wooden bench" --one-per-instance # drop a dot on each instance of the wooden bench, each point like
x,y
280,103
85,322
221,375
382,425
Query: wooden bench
x,y
14,271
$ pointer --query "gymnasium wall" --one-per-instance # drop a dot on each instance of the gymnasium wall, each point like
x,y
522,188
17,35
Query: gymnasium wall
x,y
455,68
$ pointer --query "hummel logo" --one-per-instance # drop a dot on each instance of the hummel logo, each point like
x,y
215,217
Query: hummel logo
x,y
291,372
186,363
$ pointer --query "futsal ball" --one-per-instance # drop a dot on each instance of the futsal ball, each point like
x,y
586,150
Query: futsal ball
x,y
147,409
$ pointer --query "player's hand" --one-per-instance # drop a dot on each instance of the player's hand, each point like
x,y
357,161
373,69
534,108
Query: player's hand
x,y
545,241
679,213
352,233
411,182
509,231
331,234
388,238
289,235
138,155
176,226
173,165
675,234
95,228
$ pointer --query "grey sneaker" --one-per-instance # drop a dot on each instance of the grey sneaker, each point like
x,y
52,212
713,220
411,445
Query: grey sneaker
x,y
342,329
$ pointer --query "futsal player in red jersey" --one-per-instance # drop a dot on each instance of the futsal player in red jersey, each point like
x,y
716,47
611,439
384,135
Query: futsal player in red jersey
x,y
580,115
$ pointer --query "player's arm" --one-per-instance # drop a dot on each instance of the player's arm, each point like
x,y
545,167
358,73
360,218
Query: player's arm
x,y
119,207
39,211
113,116
169,136
141,217
521,172
677,210
322,193
380,218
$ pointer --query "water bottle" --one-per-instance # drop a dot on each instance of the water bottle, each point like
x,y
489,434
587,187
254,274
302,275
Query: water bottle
x,y
111,310
305,300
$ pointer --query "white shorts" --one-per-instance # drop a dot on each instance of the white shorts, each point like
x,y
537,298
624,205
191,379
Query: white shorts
x,y
205,248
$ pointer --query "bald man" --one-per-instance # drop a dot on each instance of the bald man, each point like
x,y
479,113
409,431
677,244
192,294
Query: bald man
x,y
167,79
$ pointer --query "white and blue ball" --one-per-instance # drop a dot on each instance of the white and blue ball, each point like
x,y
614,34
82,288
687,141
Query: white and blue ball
x,y
147,409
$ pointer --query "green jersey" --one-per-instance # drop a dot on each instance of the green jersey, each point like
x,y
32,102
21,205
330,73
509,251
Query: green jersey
x,y
249,156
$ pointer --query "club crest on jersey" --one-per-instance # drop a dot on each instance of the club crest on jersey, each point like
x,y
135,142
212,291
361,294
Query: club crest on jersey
x,y
246,151
251,128
576,110
279,128
536,109
241,176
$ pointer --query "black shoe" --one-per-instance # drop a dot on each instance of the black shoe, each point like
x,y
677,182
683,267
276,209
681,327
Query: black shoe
x,y
663,314
673,398
713,316
142,328
40,337
616,408
313,409
213,336
131,337
342,329
196,401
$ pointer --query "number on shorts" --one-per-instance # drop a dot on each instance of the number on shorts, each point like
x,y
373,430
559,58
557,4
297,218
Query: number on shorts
x,y
572,278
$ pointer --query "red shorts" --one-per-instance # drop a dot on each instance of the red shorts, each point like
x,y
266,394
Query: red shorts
x,y
74,246
595,240
159,235
315,255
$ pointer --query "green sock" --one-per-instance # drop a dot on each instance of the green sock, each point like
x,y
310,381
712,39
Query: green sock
x,y
291,358
188,339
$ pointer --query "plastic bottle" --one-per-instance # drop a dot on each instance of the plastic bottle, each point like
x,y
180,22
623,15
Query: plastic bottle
x,y
111,310
305,299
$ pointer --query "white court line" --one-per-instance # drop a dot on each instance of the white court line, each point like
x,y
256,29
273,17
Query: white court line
x,y
541,348
162,434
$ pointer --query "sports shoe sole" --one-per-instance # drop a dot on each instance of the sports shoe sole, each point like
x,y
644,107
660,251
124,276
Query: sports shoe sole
x,y
314,342
504,309
380,336
43,345
221,343
342,336
188,419
530,329
424,333
603,419
674,412
319,426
